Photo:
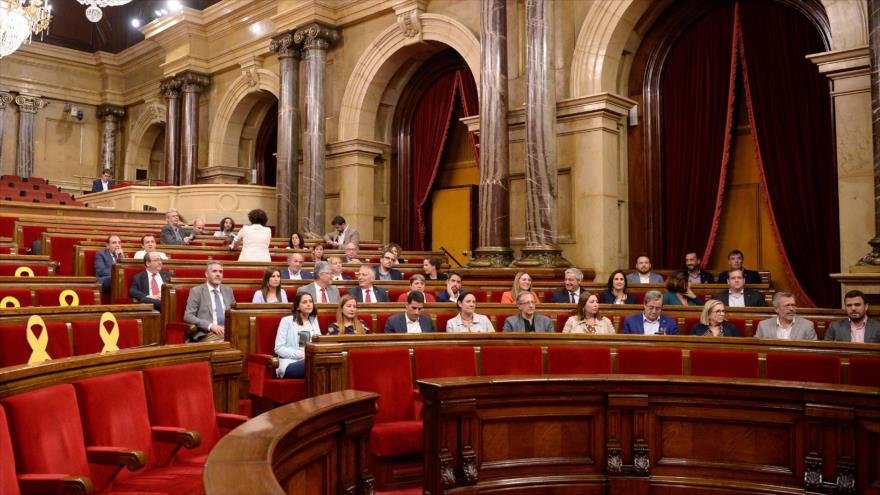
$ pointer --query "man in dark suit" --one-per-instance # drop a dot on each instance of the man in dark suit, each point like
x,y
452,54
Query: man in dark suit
x,y
735,258
858,327
294,269
694,269
386,270
738,296
571,293
104,261
411,320
336,269
207,304
650,321
453,290
146,286
104,183
366,292
172,232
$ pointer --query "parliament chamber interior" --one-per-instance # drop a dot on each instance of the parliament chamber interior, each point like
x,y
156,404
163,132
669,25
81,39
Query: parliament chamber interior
x,y
440,246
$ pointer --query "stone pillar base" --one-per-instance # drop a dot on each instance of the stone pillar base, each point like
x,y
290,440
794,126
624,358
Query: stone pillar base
x,y
491,257
541,256
872,258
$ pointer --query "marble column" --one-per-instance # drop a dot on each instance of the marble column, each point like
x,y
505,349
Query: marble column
x,y
874,42
28,106
541,187
110,116
288,133
170,88
493,236
315,39
5,100
191,83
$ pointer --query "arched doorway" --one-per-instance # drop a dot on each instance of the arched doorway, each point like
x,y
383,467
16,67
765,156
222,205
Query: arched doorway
x,y
266,148
242,133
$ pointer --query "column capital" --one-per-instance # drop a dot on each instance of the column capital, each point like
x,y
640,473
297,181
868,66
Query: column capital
x,y
316,36
5,99
193,82
169,87
111,112
285,46
30,104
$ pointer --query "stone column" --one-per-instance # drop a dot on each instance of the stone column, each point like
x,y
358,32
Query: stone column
x,y
28,106
874,42
493,236
288,133
170,88
110,116
541,187
5,100
315,39
192,83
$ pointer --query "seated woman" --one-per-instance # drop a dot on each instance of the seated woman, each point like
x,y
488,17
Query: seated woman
x,y
227,228
318,253
270,290
587,318
713,323
616,292
467,320
294,333
254,238
346,318
431,266
521,283
417,283
295,241
678,291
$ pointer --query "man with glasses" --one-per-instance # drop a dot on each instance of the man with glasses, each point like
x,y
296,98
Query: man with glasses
x,y
650,321
528,320
787,325
386,270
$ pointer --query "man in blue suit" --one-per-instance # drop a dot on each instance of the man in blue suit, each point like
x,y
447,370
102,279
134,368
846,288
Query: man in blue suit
x,y
412,320
366,292
294,269
650,321
104,261
104,183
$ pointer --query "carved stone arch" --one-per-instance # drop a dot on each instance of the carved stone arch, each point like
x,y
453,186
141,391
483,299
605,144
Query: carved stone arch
x,y
144,131
848,21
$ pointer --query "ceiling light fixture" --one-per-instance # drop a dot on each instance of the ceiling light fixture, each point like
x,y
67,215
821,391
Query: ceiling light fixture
x,y
20,20
93,11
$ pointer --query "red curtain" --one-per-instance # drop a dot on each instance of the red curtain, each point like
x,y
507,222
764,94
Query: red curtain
x,y
790,113
697,91
430,129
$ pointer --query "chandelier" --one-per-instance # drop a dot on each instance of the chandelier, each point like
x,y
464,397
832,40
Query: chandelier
x,y
20,20
93,12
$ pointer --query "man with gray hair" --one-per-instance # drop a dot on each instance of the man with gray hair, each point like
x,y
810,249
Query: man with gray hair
x,y
206,306
527,320
172,232
787,325
571,293
650,321
322,290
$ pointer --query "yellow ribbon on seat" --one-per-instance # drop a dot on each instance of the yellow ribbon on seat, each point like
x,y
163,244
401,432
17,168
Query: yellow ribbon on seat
x,y
9,300
62,298
110,338
24,271
38,344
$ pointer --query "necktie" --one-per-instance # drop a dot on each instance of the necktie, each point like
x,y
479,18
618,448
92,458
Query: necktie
x,y
367,298
323,295
176,233
154,285
571,294
218,307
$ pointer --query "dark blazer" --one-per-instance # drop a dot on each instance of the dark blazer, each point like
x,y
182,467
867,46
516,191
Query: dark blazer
x,y
634,324
705,277
728,329
140,289
104,262
561,296
379,294
751,276
607,297
285,274
839,331
395,274
397,323
443,296
97,187
167,235
751,297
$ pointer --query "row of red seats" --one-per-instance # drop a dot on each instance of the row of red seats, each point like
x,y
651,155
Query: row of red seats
x,y
83,434
82,338
22,180
47,296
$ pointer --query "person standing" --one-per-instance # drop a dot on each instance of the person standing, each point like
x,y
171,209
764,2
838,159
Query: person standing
x,y
254,238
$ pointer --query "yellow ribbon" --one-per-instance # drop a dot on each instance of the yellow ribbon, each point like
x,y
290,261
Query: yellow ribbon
x,y
38,344
26,270
111,338
62,298
9,301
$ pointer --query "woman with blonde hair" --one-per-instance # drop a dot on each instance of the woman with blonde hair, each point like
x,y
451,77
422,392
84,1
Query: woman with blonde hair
x,y
347,319
587,318
521,283
713,323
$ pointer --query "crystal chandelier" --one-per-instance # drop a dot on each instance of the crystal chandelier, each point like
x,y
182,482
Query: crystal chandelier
x,y
20,20
93,12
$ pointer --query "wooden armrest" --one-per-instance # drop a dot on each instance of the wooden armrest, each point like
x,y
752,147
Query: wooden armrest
x,y
230,421
266,360
54,483
117,456
180,436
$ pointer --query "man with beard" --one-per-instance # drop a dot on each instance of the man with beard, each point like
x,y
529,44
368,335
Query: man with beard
x,y
787,325
694,269
858,327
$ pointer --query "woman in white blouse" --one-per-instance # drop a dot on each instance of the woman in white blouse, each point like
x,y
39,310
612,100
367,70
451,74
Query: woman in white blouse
x,y
254,238
467,319
294,333
270,290
588,319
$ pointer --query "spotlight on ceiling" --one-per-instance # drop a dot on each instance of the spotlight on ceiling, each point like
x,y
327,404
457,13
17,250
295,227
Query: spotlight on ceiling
x,y
135,23
174,5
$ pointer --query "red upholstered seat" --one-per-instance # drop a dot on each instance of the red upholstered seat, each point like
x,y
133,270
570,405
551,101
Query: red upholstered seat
x,y
565,360
380,322
89,261
243,294
511,360
439,362
23,296
640,297
864,371
8,481
263,380
14,348
649,361
87,337
729,364
442,319
394,294
51,296
324,321
499,321
803,367
8,269
481,295
740,324
689,322
397,427
561,318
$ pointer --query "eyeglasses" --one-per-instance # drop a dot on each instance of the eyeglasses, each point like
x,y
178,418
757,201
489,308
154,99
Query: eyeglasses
x,y
527,303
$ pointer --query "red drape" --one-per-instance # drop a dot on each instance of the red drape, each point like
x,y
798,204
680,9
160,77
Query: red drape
x,y
697,91
430,129
790,113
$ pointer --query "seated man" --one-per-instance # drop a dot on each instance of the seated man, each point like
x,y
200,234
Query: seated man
x,y
787,325
341,234
411,320
386,270
527,320
104,261
172,232
351,251
294,269
735,259
694,269
322,290
650,321
738,296
643,273
417,283
453,290
366,292
206,306
104,183
858,327
148,243
198,227
146,286
336,268
571,292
